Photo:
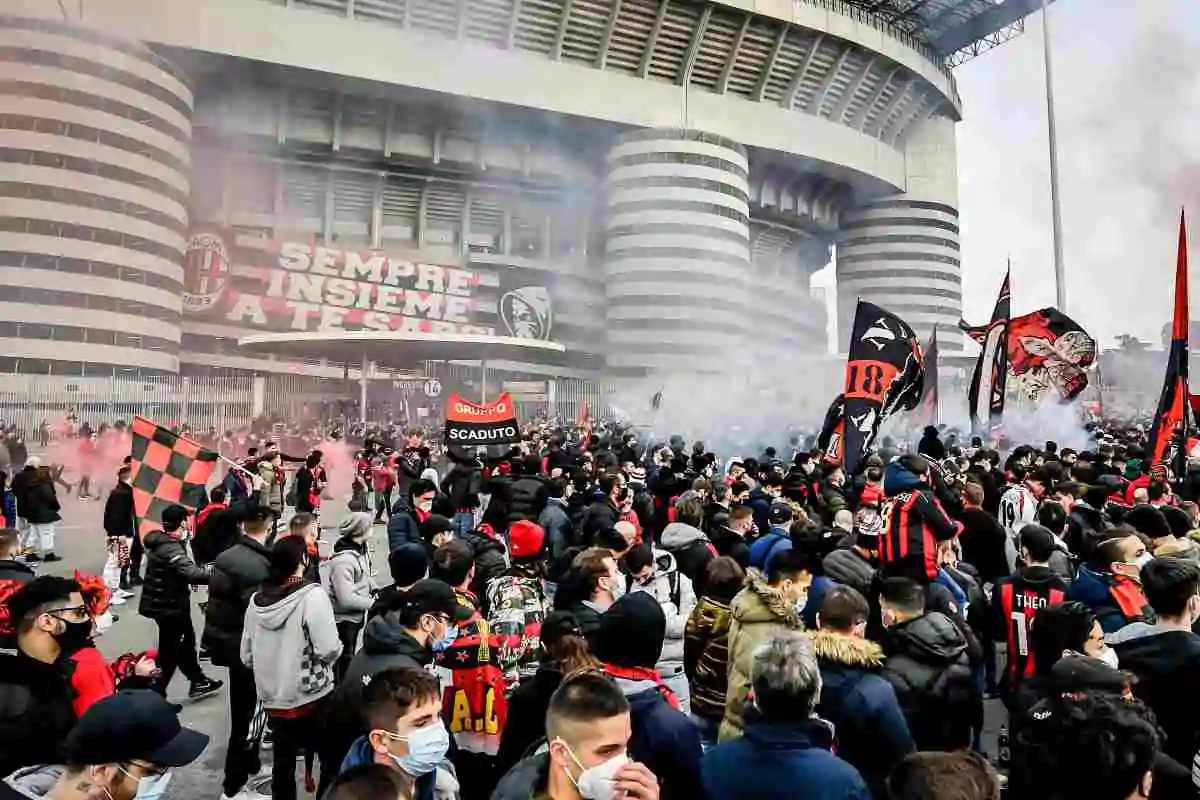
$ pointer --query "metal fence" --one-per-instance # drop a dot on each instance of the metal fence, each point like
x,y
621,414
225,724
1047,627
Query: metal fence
x,y
232,402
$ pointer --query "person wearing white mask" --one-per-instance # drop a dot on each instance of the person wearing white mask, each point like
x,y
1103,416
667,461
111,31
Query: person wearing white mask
x,y
591,587
124,748
1109,581
769,604
588,728
402,708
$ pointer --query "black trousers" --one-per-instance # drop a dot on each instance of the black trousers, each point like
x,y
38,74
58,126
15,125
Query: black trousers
x,y
293,736
135,558
177,650
348,633
241,757
383,504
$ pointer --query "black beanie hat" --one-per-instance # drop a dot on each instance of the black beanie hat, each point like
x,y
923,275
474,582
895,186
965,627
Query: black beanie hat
x,y
1148,520
632,632
1177,519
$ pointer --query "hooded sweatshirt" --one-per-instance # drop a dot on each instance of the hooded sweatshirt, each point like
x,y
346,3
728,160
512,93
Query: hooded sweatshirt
x,y
675,595
758,611
347,578
691,548
291,642
1167,665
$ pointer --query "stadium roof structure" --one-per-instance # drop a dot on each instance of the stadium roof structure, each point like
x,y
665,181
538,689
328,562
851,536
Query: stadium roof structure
x,y
957,30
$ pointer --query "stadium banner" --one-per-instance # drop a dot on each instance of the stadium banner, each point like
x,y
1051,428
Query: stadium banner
x,y
268,285
469,424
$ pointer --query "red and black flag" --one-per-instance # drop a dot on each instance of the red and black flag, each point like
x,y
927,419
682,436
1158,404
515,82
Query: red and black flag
x,y
1170,422
832,430
929,400
991,370
168,469
885,373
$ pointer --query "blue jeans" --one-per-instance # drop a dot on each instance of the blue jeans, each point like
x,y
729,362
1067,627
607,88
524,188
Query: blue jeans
x,y
464,523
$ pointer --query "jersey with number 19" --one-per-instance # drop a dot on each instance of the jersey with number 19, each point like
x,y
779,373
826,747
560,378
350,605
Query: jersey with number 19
x,y
1016,600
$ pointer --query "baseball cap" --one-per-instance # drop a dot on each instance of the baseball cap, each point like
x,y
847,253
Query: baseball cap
x,y
134,725
429,596
780,514
525,539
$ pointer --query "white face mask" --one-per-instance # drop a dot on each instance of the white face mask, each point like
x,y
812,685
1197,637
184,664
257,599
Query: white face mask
x,y
617,587
1109,656
150,787
597,783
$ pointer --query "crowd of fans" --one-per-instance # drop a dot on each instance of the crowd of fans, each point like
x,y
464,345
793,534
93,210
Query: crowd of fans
x,y
592,616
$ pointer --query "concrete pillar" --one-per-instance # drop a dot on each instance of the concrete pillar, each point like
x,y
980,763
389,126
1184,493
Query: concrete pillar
x,y
677,256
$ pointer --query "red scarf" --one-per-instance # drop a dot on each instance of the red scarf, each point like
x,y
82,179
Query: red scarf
x,y
643,674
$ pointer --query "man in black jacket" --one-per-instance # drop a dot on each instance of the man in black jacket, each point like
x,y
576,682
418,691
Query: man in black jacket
x,y
929,666
35,701
237,574
120,526
603,512
1165,656
984,540
167,599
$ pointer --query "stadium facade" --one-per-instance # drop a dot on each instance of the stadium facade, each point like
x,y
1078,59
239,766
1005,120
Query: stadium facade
x,y
651,183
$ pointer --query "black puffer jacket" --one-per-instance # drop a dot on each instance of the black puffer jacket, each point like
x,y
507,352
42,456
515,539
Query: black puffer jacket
x,y
35,712
490,562
462,484
41,504
170,572
929,665
236,575
527,497
386,645
848,567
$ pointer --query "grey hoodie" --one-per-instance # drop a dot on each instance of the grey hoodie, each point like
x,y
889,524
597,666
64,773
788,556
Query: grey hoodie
x,y
291,642
347,578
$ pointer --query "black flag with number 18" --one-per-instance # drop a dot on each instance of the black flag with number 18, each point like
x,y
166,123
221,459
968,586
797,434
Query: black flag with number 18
x,y
885,373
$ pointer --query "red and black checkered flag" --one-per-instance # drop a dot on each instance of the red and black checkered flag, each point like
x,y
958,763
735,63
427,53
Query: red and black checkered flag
x,y
168,469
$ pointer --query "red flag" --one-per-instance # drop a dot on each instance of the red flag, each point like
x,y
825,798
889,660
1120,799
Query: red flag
x,y
1170,422
929,403
585,415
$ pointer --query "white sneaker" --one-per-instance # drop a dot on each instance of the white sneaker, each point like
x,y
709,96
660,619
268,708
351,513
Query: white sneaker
x,y
246,794
116,600
122,593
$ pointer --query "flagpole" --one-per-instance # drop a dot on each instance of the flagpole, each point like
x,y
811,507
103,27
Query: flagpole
x,y
1060,278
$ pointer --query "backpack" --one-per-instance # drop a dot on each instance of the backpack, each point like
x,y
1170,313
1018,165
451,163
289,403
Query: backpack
x,y
672,580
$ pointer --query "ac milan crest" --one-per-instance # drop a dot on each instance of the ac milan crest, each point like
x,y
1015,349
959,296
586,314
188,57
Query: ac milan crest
x,y
206,272
527,312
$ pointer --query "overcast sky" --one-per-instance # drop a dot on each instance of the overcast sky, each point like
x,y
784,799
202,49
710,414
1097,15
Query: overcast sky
x,y
1127,88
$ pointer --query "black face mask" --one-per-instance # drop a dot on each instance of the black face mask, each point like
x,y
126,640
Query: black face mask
x,y
75,636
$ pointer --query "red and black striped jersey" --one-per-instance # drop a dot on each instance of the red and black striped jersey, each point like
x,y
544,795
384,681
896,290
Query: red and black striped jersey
x,y
1015,602
914,523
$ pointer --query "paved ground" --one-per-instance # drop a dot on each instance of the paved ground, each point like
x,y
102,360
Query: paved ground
x,y
81,544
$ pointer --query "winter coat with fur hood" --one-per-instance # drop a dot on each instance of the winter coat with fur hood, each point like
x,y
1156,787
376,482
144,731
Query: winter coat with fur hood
x,y
872,733
758,611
